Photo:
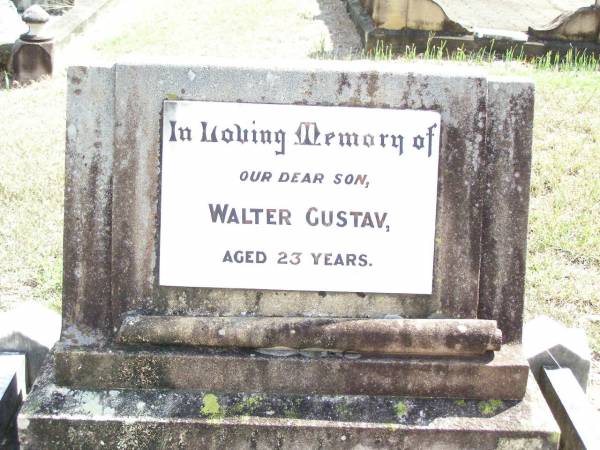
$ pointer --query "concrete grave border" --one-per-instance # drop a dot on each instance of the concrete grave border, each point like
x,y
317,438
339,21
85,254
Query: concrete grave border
x,y
560,37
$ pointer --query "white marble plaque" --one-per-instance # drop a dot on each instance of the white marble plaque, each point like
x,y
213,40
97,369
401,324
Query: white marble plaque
x,y
291,197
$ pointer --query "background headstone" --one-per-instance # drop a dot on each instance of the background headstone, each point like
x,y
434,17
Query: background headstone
x,y
11,27
548,343
31,329
12,392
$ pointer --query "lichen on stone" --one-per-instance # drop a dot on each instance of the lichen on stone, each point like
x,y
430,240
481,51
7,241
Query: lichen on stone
x,y
489,407
244,407
211,408
401,409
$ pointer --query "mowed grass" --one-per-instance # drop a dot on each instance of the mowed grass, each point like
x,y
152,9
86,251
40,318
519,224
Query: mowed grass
x,y
563,278
564,239
233,28
32,124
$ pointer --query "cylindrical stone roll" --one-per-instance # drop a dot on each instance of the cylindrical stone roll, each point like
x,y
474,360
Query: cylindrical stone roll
x,y
370,336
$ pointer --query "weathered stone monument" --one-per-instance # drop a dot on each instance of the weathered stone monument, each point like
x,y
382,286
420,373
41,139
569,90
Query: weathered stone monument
x,y
310,255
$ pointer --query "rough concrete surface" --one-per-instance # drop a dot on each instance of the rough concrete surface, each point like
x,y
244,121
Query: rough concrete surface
x,y
152,419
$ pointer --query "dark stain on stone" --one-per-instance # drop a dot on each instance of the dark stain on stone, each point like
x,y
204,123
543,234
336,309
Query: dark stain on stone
x,y
77,91
257,298
97,144
311,82
322,294
408,89
361,294
182,91
372,84
343,83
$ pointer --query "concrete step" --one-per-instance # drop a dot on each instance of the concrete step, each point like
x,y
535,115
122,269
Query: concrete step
x,y
499,375
56,417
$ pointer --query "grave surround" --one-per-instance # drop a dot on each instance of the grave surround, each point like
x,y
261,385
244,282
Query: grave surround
x,y
111,263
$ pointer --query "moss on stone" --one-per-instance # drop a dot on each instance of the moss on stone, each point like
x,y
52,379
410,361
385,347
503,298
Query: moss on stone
x,y
489,407
210,407
461,402
247,406
401,409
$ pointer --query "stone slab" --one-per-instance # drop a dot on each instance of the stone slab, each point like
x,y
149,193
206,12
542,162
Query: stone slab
x,y
55,417
572,410
501,375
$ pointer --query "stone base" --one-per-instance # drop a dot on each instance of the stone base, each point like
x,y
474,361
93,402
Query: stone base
x,y
502,374
55,417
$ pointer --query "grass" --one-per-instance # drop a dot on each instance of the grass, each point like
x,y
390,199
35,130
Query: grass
x,y
563,277
31,190
237,28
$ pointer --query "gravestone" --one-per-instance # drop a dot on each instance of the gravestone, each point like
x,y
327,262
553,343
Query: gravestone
x,y
313,254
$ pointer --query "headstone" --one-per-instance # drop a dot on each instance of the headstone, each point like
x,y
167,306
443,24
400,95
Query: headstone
x,y
11,27
319,254
32,56
31,329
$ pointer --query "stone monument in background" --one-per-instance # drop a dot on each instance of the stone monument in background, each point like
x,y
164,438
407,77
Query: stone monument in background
x,y
310,255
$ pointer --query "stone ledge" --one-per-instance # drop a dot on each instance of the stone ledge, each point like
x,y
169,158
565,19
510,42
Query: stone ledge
x,y
55,417
501,375
419,337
